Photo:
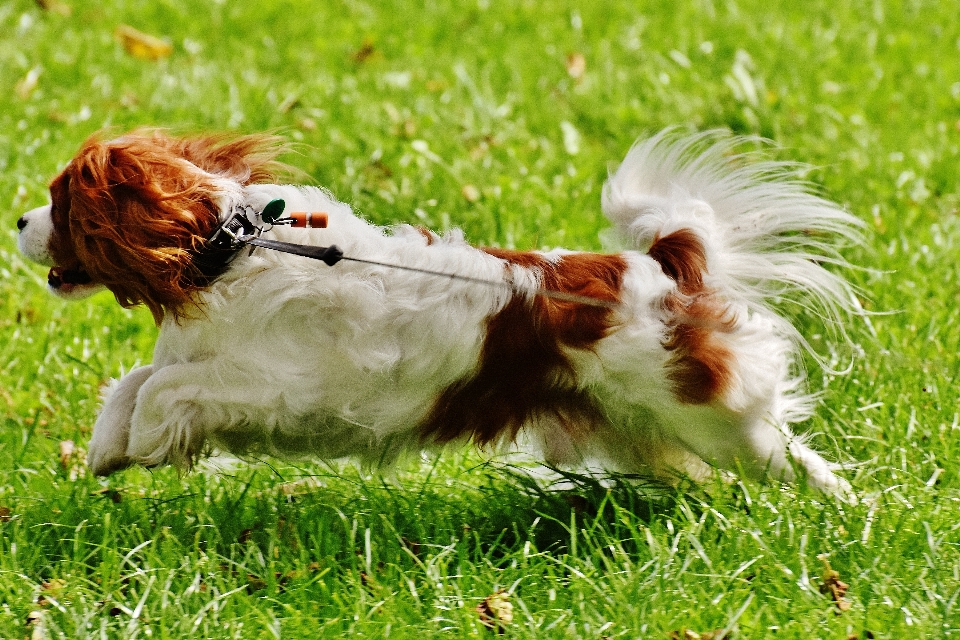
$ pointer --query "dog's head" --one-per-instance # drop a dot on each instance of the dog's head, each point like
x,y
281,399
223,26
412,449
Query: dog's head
x,y
132,214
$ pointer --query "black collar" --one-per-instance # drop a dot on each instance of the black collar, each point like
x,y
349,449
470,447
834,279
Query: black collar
x,y
224,243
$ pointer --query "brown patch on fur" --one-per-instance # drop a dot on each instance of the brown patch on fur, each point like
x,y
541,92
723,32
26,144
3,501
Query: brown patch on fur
x,y
428,235
682,257
701,365
132,212
523,373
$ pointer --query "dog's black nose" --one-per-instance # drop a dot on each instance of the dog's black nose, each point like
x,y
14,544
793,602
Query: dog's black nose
x,y
21,223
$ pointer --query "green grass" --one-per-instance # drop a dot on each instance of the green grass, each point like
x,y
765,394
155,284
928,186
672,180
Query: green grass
x,y
396,108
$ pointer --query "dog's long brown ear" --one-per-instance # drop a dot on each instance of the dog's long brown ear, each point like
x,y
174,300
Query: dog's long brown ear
x,y
248,159
138,212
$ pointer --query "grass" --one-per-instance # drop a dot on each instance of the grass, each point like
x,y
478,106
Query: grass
x,y
397,108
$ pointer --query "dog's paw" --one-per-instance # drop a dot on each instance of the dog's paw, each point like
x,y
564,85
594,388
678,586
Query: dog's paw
x,y
107,451
104,460
831,484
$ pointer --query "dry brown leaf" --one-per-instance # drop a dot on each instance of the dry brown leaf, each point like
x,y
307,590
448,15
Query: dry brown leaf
x,y
115,496
54,6
72,459
690,634
28,83
35,622
51,588
365,52
255,583
411,545
142,45
831,583
54,585
303,486
576,66
470,193
496,611
288,103
67,449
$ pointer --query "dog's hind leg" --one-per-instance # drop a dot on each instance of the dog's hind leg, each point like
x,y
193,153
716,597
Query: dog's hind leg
x,y
756,446
108,446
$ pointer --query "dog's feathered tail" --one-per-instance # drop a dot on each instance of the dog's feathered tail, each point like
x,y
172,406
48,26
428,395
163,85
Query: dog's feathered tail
x,y
766,236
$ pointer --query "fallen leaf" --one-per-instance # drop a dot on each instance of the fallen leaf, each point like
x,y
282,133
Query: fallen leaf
x,y
54,6
309,484
690,634
576,66
51,589
365,52
142,45
470,193
129,100
255,583
378,171
37,624
28,83
288,103
411,545
72,459
67,448
496,611
831,583
54,585
115,496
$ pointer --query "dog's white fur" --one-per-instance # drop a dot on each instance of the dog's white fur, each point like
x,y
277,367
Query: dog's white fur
x,y
295,358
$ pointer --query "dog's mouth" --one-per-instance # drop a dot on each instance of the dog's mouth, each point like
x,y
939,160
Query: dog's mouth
x,y
66,279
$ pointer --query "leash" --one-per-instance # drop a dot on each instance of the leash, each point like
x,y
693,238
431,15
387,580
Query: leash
x,y
239,231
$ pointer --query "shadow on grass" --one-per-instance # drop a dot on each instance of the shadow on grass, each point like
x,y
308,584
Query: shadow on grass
x,y
340,519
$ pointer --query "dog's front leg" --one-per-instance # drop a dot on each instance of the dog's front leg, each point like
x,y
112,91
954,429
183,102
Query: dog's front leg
x,y
111,433
181,405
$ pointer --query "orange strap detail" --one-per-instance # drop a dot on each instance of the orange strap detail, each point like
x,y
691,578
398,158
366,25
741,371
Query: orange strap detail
x,y
309,219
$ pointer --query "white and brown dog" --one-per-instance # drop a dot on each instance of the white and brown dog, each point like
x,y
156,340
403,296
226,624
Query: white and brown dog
x,y
657,359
